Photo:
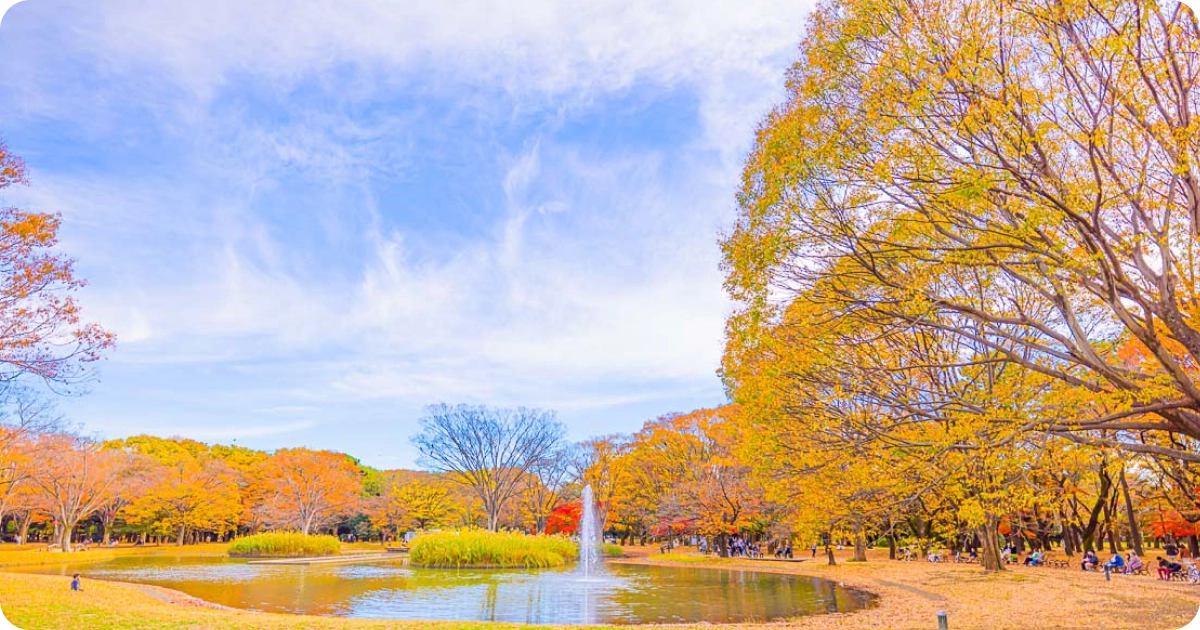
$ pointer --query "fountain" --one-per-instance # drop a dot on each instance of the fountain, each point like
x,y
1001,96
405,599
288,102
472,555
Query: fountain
x,y
589,534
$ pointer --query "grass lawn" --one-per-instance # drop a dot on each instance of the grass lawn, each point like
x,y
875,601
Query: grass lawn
x,y
911,594
29,555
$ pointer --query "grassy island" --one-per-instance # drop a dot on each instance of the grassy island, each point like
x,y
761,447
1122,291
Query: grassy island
x,y
477,548
284,545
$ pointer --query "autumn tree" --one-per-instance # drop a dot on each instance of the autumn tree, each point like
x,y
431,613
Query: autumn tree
x,y
547,483
306,490
76,477
42,334
414,504
599,464
489,450
989,211
691,461
1020,175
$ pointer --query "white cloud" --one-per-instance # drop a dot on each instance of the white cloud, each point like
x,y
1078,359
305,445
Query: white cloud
x,y
594,283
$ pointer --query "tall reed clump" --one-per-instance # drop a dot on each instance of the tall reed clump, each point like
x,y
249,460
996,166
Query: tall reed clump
x,y
477,548
284,545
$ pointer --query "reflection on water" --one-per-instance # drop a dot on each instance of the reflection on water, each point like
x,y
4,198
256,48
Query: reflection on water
x,y
617,594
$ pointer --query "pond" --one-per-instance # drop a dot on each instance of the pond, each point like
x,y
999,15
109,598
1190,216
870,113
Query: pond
x,y
618,594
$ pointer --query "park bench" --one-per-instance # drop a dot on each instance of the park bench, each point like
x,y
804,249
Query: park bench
x,y
1054,562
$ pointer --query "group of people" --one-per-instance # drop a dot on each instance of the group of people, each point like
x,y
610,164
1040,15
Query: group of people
x,y
1167,568
739,546
1116,564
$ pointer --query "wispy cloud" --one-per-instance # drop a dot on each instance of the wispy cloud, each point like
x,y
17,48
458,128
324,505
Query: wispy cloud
x,y
346,211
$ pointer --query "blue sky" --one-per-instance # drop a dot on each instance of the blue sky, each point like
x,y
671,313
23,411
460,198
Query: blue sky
x,y
306,221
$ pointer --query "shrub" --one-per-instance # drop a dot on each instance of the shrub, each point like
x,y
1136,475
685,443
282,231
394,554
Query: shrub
x,y
284,545
476,548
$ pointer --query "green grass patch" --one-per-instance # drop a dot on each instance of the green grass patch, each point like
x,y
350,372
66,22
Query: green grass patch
x,y
612,551
284,545
476,548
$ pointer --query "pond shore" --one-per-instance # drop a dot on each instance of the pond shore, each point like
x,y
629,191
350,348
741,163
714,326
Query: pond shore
x,y
910,596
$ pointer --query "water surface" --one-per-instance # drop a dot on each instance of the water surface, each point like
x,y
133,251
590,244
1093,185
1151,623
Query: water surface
x,y
620,594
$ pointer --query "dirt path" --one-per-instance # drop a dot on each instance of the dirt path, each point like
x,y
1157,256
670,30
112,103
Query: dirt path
x,y
1024,598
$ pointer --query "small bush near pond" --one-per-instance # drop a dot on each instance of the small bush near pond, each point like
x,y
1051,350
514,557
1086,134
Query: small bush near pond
x,y
284,545
476,548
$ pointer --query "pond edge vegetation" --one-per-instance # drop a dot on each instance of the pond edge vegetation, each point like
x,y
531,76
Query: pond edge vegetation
x,y
483,549
284,545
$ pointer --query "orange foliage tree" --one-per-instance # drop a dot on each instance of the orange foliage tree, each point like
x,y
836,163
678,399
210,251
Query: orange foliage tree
x,y
42,334
306,490
76,477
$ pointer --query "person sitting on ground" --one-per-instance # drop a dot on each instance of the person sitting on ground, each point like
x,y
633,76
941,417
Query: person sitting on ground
x,y
1090,561
1117,563
1031,560
1135,563
75,583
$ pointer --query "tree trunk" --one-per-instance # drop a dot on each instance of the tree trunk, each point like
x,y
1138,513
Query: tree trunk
x,y
23,523
1068,534
829,549
1088,535
860,544
892,546
179,538
1135,534
1114,533
989,539
64,539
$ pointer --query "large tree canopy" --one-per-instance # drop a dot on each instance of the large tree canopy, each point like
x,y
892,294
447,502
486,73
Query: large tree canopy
x,y
1017,179
968,238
